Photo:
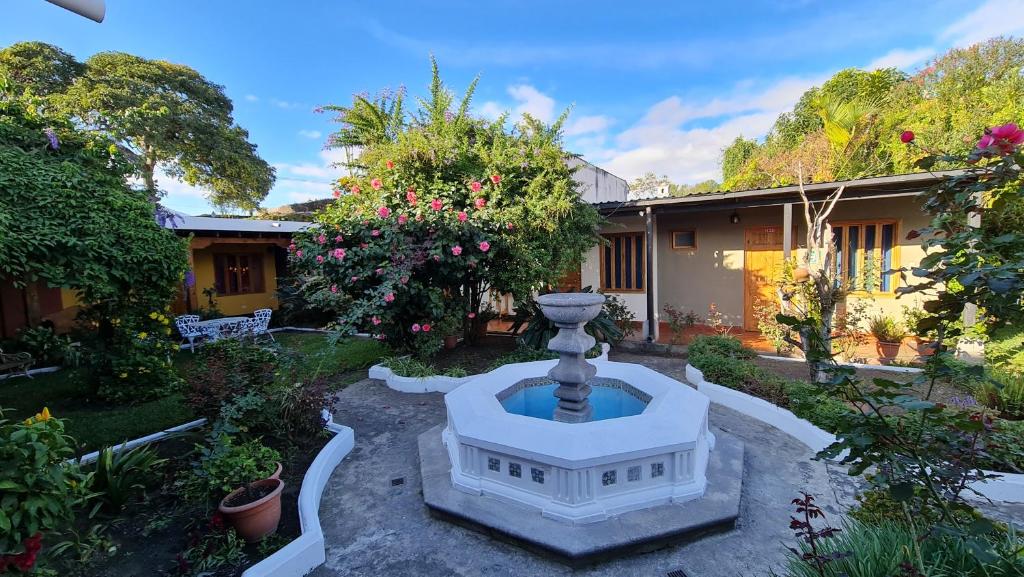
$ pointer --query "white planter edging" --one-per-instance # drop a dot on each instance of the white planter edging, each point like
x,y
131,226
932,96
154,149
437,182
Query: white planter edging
x,y
1007,487
128,445
307,551
31,372
889,368
437,383
782,419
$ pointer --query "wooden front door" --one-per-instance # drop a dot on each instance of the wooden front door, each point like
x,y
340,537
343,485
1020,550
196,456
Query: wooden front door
x,y
763,260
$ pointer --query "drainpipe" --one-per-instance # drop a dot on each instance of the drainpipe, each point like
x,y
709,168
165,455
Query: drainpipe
x,y
649,218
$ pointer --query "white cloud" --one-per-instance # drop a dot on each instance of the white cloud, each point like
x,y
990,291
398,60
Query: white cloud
x,y
901,59
310,133
993,18
252,97
286,104
587,125
528,100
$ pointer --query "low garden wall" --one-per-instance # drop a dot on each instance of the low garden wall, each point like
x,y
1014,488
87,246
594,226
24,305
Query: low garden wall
x,y
1007,487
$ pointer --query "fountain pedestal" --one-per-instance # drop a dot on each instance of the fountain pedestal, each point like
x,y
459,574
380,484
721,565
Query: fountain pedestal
x,y
570,312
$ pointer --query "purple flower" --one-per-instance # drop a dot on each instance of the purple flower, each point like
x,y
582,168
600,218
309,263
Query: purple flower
x,y
964,402
52,137
190,279
448,115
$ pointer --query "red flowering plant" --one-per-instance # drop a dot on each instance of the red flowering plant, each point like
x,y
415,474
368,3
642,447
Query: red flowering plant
x,y
442,209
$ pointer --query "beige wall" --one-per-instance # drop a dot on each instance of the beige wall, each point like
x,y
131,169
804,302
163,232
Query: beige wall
x,y
236,304
713,272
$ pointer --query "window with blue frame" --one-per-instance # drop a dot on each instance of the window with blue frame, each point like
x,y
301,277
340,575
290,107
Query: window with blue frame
x,y
866,255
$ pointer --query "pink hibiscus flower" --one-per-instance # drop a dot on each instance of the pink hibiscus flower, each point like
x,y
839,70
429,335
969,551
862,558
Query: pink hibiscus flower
x,y
456,250
383,212
319,258
402,219
375,320
480,202
426,328
376,184
463,216
389,298
415,327
495,178
436,204
375,232
485,246
321,239
475,186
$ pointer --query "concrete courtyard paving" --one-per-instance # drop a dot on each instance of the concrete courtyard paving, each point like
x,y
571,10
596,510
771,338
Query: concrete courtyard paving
x,y
375,522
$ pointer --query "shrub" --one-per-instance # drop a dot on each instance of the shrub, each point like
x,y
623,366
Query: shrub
x,y
1004,392
133,362
300,407
886,329
678,322
457,372
46,347
226,370
1005,350
40,488
409,367
720,345
121,477
223,466
620,314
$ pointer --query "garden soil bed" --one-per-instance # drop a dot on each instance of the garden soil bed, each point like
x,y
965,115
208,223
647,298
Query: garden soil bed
x,y
477,357
149,537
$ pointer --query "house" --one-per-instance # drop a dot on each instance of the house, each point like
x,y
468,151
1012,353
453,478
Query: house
x,y
729,248
235,262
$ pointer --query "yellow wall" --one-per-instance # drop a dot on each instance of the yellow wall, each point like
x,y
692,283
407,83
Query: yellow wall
x,y
235,304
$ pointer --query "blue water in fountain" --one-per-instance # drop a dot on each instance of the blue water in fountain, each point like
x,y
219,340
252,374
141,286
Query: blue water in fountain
x,y
540,402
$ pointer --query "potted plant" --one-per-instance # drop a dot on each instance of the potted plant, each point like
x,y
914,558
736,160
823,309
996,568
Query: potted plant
x,y
450,326
889,335
255,509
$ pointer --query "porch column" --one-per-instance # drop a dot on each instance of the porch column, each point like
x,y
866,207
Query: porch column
x,y
787,230
652,323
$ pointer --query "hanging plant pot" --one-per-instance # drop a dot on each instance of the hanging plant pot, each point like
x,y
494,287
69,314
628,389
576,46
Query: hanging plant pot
x,y
254,510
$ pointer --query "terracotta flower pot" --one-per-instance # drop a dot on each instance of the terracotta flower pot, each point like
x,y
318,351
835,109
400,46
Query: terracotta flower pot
x,y
451,341
254,521
277,472
888,351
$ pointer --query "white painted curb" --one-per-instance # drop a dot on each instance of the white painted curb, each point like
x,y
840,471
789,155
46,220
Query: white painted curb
x,y
31,372
782,419
1007,487
128,445
437,383
307,552
888,368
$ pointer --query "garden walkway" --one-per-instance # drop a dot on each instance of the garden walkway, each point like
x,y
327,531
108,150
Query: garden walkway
x,y
376,524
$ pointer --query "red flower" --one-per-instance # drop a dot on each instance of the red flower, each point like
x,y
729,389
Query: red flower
x,y
217,521
336,193
463,216
436,204
411,196
389,164
426,328
355,189
495,178
907,137
480,203
475,186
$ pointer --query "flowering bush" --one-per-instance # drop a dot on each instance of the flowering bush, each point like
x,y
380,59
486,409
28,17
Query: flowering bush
x,y
443,209
40,489
134,362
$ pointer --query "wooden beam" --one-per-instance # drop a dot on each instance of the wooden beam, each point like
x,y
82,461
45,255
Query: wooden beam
x,y
207,241
787,230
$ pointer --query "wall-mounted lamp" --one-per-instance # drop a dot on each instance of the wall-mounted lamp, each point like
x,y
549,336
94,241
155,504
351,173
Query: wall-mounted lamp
x,y
734,217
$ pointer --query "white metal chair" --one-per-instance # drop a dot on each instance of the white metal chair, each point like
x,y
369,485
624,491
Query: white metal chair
x,y
261,323
189,330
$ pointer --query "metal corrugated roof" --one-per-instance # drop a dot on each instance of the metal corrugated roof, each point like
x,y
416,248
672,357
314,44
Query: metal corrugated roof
x,y
186,222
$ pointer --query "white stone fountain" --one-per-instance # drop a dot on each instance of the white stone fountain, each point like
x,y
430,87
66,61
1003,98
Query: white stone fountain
x,y
579,443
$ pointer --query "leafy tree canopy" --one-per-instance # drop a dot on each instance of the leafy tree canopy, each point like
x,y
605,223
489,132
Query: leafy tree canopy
x,y
850,126
167,114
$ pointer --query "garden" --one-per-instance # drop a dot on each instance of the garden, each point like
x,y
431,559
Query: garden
x,y
443,213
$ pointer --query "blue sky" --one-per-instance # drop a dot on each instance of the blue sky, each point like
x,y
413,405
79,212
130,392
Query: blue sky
x,y
655,86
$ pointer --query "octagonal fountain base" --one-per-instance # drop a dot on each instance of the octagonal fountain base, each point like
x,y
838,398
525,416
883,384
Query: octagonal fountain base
x,y
634,532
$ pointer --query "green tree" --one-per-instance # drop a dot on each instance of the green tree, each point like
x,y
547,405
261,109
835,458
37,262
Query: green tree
x,y
68,218
41,67
443,208
735,156
168,115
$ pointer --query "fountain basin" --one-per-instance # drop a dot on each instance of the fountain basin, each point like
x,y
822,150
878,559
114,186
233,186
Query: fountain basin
x,y
582,472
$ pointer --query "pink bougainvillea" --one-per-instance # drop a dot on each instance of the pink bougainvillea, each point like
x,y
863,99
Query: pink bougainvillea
x,y
456,250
